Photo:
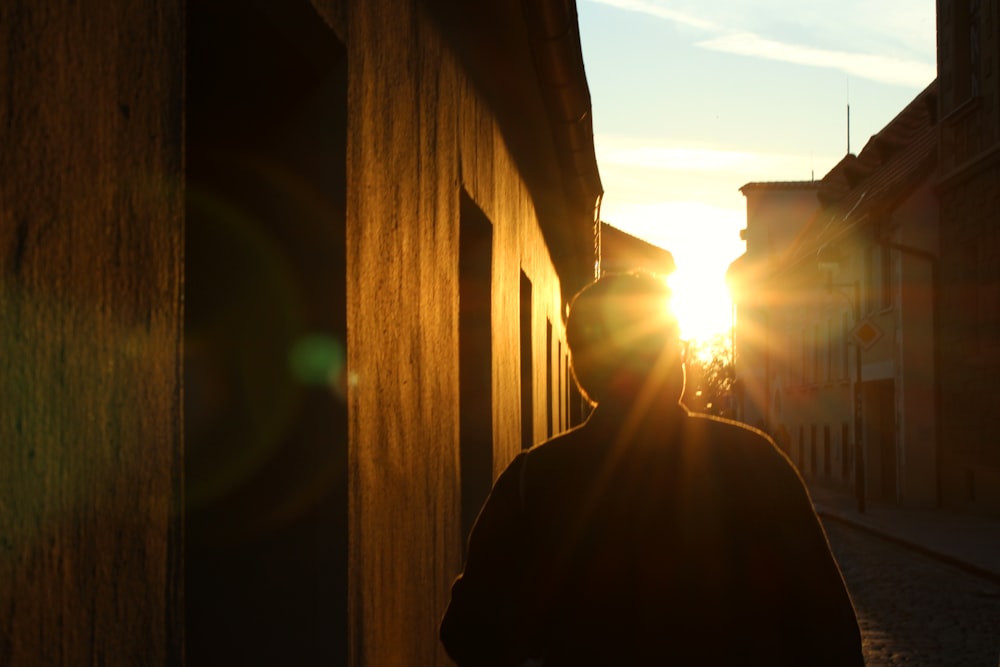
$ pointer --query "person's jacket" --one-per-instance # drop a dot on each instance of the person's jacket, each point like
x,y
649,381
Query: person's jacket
x,y
681,539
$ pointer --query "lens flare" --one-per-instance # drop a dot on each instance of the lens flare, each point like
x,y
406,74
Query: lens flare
x,y
319,359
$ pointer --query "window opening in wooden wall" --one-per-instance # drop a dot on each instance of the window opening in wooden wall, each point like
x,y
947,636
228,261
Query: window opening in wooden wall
x,y
549,408
527,368
475,332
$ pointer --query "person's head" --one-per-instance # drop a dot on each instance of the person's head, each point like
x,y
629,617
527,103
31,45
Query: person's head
x,y
623,337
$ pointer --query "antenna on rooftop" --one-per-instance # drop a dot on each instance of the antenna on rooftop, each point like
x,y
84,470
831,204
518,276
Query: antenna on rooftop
x,y
848,127
848,116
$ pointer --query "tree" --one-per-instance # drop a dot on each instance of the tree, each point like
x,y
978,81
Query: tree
x,y
710,376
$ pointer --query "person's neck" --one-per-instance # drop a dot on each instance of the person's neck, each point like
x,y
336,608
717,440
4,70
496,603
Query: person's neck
x,y
655,407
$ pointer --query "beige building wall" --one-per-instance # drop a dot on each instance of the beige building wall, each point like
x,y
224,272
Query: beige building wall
x,y
776,213
815,372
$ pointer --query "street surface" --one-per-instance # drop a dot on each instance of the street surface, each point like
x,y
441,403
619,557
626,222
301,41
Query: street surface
x,y
913,609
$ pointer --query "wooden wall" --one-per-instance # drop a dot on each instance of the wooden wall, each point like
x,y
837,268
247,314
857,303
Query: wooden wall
x,y
91,234
419,136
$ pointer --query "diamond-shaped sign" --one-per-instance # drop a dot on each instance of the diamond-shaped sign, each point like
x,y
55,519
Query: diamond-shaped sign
x,y
865,333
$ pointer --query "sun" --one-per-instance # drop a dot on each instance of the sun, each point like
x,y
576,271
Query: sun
x,y
701,303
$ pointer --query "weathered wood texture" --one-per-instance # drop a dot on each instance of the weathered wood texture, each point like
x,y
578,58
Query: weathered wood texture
x,y
91,325
418,135
91,237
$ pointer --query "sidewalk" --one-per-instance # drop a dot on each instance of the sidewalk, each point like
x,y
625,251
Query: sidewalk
x,y
967,541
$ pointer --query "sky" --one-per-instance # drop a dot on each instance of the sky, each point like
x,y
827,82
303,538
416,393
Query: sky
x,y
692,99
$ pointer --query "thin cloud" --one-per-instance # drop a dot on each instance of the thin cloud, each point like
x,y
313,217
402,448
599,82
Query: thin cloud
x,y
874,67
883,69
653,9
615,152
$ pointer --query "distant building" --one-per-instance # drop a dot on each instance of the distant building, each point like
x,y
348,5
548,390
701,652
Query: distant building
x,y
909,227
777,212
622,252
848,273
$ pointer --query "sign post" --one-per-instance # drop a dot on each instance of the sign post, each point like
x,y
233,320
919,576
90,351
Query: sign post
x,y
865,334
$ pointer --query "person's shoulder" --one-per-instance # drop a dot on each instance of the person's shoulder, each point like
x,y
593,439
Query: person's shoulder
x,y
728,434
746,452
568,449
727,428
561,444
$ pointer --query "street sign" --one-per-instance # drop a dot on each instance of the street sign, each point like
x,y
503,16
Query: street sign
x,y
865,333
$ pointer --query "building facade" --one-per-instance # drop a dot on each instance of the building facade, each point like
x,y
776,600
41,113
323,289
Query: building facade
x,y
835,330
283,291
927,390
776,214
969,264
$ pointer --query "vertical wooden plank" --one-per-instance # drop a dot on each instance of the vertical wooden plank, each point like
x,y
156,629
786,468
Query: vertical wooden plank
x,y
90,316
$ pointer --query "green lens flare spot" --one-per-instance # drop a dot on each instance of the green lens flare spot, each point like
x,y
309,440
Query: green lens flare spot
x,y
317,360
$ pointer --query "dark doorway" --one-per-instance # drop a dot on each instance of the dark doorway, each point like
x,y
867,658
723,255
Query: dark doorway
x,y
527,366
475,332
881,397
561,402
802,450
550,414
845,452
578,407
265,336
812,450
826,451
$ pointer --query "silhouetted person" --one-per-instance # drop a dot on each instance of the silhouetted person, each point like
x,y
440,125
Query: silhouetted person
x,y
647,536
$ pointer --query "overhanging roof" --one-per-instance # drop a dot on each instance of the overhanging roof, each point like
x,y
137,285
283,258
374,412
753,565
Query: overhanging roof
x,y
526,59
861,188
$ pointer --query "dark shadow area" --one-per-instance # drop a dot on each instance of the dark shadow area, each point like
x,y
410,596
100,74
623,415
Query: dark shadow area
x,y
827,469
880,407
813,454
579,409
475,331
549,407
845,451
265,337
527,393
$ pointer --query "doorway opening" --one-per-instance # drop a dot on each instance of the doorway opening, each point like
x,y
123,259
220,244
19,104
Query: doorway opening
x,y
527,365
265,336
880,406
475,333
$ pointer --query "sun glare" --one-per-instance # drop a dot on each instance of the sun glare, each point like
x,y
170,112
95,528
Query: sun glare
x,y
701,304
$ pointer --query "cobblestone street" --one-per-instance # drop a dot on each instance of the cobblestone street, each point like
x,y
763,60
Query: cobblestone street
x,y
915,610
